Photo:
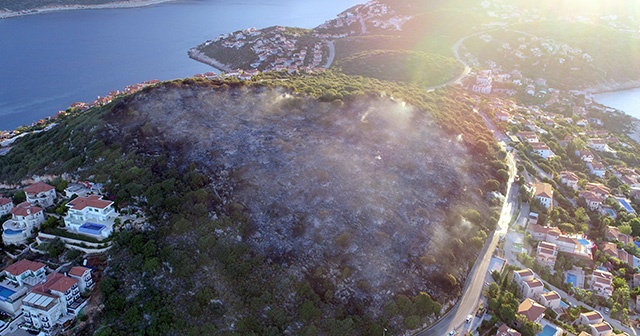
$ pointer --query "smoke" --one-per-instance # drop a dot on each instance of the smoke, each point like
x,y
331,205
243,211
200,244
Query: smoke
x,y
367,185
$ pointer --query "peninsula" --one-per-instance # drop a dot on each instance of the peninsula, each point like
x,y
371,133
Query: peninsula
x,y
18,8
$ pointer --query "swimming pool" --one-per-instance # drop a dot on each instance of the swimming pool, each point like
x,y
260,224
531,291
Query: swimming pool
x,y
5,293
548,331
91,228
584,242
572,279
10,232
625,204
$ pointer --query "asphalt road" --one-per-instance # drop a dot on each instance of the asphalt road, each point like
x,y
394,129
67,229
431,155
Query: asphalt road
x,y
454,319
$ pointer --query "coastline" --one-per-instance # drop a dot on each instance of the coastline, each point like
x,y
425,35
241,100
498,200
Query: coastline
x,y
614,86
199,56
119,4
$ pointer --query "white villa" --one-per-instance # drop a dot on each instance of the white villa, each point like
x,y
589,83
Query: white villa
x,y
601,283
53,302
25,272
5,206
83,275
91,216
41,310
544,193
40,194
24,217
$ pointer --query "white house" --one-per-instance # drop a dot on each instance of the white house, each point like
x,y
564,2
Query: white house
x,y
528,136
547,253
592,199
40,194
544,193
532,310
569,179
25,272
601,329
597,144
601,283
83,275
505,330
592,317
596,168
550,299
5,206
24,217
41,310
531,288
585,155
520,276
91,216
542,149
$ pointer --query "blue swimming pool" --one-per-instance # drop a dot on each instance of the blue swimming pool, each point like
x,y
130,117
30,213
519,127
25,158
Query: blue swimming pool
x,y
548,331
625,204
5,293
584,242
91,228
10,232
572,279
637,244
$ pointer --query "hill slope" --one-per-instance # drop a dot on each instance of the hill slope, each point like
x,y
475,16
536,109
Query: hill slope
x,y
273,212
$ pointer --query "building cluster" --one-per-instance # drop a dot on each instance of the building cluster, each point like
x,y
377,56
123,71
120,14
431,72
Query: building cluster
x,y
88,214
130,89
537,300
45,299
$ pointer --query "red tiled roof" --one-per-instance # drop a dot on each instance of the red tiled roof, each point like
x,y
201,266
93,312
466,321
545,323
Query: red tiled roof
x,y
600,327
59,282
504,330
4,201
544,190
551,296
524,273
535,283
567,175
598,188
531,309
570,240
592,315
25,209
78,271
539,145
93,201
23,266
37,188
611,249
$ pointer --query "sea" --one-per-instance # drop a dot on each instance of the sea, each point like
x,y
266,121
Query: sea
x,y
48,61
627,101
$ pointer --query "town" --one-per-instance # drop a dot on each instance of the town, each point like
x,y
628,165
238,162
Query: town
x,y
55,239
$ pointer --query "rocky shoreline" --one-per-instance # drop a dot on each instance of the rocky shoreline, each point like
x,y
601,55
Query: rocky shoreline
x,y
120,4
614,86
199,56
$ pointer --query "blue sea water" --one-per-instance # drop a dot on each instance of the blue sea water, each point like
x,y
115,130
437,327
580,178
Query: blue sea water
x,y
49,61
626,100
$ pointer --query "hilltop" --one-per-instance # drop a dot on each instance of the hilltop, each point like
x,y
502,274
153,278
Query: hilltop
x,y
280,208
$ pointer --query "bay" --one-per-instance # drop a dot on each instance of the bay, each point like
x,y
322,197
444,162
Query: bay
x,y
627,101
49,61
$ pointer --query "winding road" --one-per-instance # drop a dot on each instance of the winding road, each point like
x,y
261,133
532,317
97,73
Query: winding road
x,y
468,302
